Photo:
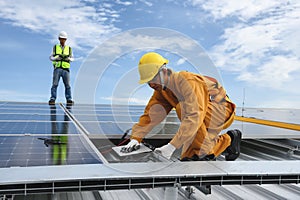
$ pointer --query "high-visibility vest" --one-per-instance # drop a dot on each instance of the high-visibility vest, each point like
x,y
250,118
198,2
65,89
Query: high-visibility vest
x,y
67,51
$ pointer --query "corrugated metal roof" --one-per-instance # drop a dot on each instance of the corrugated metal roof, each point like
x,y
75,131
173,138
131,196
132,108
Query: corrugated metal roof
x,y
253,148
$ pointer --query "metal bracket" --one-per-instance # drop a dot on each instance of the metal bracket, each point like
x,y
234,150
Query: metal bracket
x,y
205,189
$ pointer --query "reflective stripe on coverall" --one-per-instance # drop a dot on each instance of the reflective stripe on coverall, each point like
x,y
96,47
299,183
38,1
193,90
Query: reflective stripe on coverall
x,y
201,105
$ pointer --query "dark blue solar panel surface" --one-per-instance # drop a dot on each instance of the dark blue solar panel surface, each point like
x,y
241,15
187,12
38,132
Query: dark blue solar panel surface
x,y
120,128
28,110
105,119
22,124
37,127
38,134
26,151
32,117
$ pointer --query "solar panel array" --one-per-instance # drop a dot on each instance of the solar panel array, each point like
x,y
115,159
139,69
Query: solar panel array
x,y
34,134
108,120
115,120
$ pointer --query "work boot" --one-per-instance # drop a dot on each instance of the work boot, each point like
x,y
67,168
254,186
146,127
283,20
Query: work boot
x,y
70,102
210,157
51,102
233,151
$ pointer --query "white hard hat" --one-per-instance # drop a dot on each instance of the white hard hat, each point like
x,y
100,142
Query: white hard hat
x,y
63,34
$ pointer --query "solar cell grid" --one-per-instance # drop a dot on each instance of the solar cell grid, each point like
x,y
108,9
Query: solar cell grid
x,y
251,130
27,111
38,135
282,115
42,127
31,117
108,128
106,118
26,151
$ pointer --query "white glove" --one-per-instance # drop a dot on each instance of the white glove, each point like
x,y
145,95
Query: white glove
x,y
131,146
166,150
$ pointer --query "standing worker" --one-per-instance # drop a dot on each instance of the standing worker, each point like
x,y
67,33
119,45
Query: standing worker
x,y
201,104
61,57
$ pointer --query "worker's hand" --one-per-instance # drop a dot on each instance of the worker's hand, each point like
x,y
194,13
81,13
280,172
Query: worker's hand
x,y
58,58
65,58
166,150
131,146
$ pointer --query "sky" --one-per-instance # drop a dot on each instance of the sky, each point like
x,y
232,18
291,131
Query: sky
x,y
254,45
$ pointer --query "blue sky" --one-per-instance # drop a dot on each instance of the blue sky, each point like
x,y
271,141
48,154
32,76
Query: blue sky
x,y
253,44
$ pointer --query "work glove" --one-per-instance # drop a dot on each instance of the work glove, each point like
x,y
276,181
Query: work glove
x,y
166,150
131,146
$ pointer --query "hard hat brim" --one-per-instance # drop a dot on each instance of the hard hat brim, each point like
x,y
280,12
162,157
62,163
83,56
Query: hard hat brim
x,y
150,74
146,80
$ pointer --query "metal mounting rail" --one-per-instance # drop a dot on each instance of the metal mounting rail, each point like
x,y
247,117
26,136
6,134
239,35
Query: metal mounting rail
x,y
53,179
83,132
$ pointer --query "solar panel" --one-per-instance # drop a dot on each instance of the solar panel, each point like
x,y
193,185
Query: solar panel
x,y
279,114
115,120
31,117
120,118
41,135
110,128
24,151
41,127
251,130
16,110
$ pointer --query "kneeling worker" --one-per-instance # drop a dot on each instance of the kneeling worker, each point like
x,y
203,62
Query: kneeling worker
x,y
201,104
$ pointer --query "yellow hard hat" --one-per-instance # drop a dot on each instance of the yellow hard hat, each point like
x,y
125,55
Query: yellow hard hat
x,y
149,66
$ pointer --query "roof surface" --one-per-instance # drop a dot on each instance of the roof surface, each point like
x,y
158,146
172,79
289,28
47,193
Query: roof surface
x,y
36,135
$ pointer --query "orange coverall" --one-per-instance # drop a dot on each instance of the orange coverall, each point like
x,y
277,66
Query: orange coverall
x,y
202,107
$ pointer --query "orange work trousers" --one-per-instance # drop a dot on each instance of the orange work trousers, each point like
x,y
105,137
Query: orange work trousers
x,y
207,139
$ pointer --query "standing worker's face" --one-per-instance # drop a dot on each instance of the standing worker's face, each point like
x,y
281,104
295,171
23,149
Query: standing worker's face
x,y
62,41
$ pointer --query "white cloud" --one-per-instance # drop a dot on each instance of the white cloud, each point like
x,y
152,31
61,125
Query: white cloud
x,y
147,3
125,3
245,9
137,41
276,73
86,25
180,61
260,41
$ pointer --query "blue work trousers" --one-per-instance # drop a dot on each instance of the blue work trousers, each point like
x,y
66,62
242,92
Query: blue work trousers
x,y
65,74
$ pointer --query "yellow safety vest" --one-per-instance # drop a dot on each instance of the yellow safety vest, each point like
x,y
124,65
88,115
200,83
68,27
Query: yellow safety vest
x,y
57,50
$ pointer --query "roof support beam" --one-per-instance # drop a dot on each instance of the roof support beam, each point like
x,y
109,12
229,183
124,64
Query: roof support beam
x,y
52,179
